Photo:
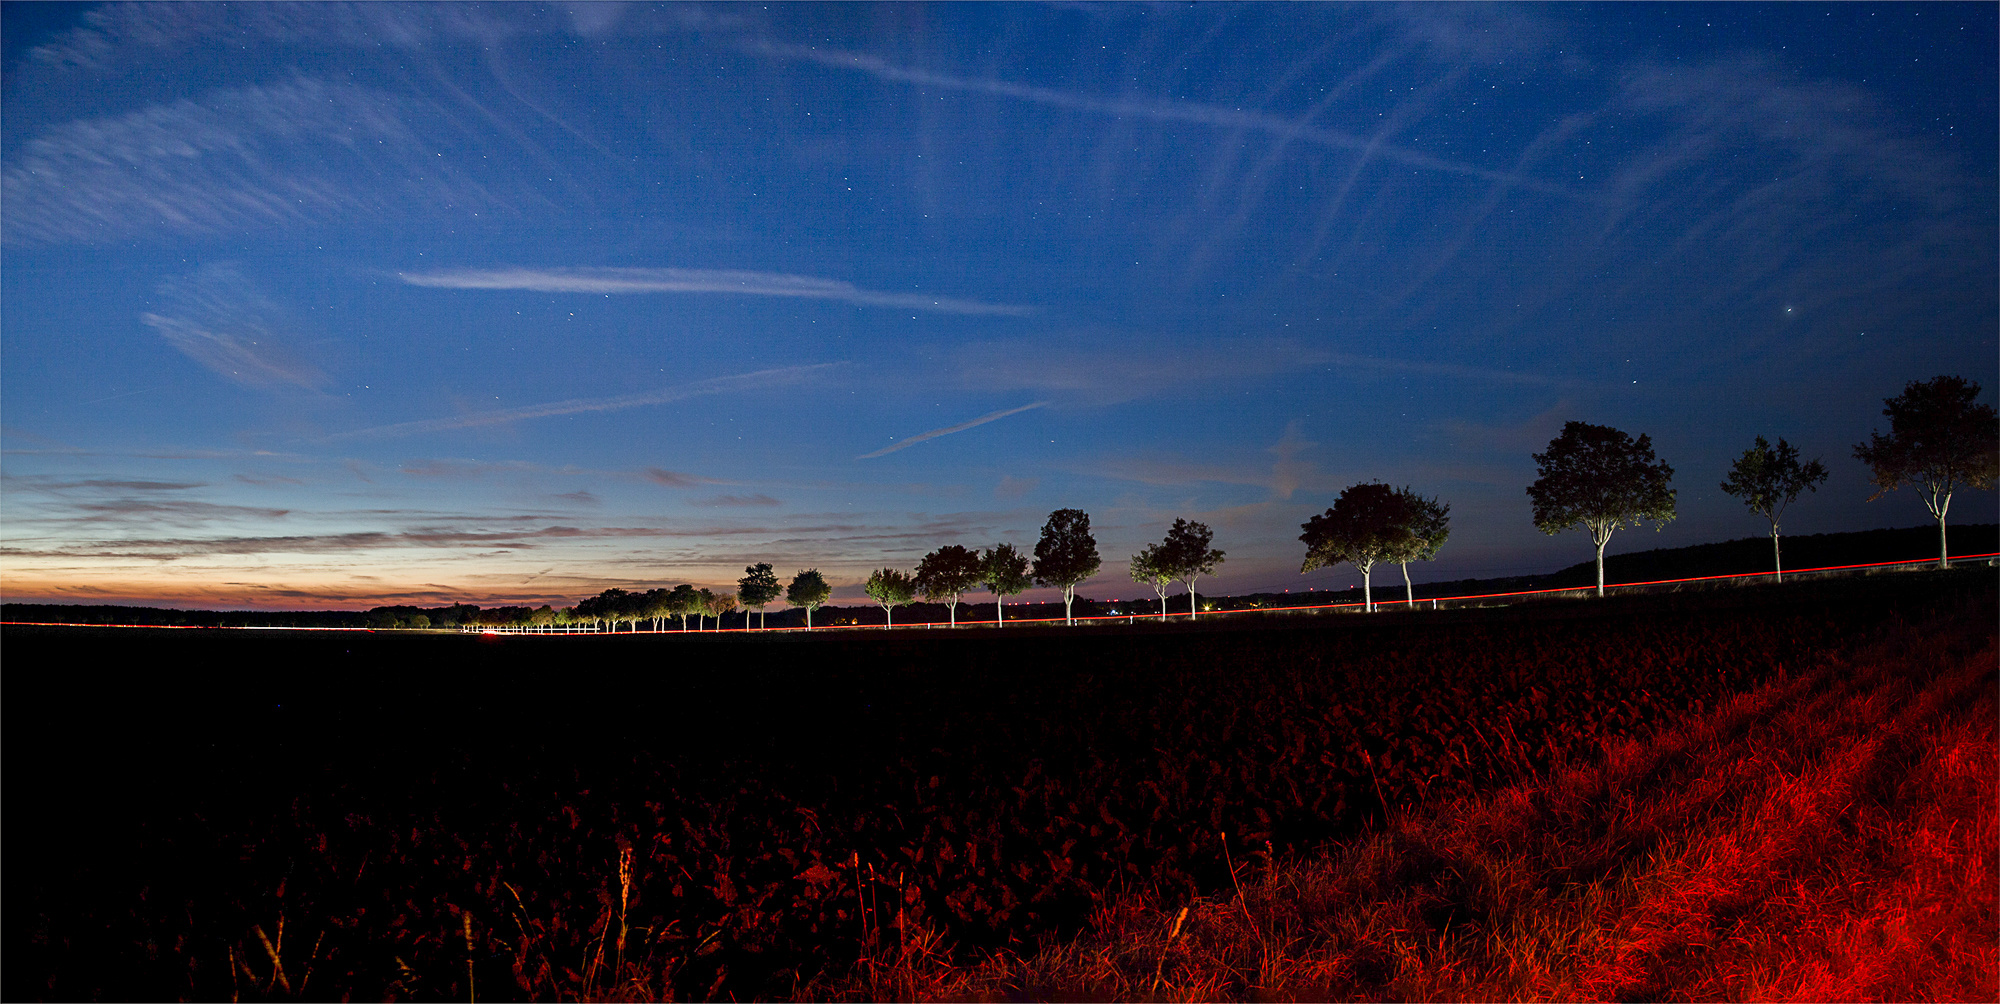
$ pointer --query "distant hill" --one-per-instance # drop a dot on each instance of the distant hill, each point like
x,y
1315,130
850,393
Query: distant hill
x,y
1753,554
1729,557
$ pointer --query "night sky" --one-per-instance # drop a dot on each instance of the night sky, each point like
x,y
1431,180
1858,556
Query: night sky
x,y
319,306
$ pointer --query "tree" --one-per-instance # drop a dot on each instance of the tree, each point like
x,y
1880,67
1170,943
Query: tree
x,y
1187,554
947,572
1428,526
1767,479
1005,573
609,606
891,588
1938,441
543,617
655,608
1599,478
1066,555
1367,524
808,590
718,604
704,603
757,588
682,602
1150,567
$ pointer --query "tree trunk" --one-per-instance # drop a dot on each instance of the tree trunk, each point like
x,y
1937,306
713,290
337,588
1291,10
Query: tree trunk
x,y
1600,563
999,610
888,617
1190,585
1944,551
1069,600
952,608
1367,590
1163,602
1409,591
809,618
1777,559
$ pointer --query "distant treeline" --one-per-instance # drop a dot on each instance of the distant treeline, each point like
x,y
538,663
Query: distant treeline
x,y
1733,557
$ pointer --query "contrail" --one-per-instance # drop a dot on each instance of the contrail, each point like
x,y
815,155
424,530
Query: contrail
x,y
700,388
1162,111
949,429
697,280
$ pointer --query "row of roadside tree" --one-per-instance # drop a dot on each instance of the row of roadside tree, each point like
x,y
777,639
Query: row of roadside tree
x,y
1591,477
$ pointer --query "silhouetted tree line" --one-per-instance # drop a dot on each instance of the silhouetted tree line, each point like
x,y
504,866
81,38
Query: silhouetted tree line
x,y
1591,477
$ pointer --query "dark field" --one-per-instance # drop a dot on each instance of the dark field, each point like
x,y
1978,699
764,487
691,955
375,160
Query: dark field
x,y
210,815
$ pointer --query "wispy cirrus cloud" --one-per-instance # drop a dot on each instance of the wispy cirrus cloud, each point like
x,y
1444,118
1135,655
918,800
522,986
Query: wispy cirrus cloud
x,y
782,376
676,479
758,499
949,429
698,280
219,319
228,161
1285,127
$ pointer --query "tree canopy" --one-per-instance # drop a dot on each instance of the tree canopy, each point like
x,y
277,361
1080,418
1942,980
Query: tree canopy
x,y
1602,479
1940,440
1066,555
1004,570
808,589
947,572
891,588
1150,567
1186,552
758,588
1768,479
1370,522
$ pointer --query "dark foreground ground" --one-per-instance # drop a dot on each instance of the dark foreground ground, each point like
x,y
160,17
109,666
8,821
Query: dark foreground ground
x,y
210,814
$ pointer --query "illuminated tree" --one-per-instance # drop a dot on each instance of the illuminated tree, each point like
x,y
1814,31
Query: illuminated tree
x,y
1938,442
757,588
1187,554
1005,573
1066,555
1368,523
543,618
891,588
1149,566
655,608
683,602
1767,479
1599,478
947,572
1427,522
808,590
607,607
718,604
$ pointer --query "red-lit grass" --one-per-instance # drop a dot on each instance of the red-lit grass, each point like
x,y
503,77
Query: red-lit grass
x,y
1826,837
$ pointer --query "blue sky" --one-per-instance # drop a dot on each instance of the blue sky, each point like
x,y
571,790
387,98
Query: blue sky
x,y
330,306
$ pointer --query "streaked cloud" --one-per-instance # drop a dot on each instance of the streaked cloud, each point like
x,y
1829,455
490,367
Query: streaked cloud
x,y
1287,128
739,500
676,479
219,319
697,280
780,377
949,429
232,160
